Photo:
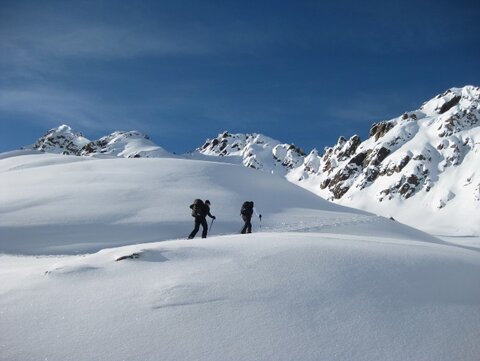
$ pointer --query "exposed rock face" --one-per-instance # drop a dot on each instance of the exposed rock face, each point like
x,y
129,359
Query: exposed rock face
x,y
378,130
402,156
61,140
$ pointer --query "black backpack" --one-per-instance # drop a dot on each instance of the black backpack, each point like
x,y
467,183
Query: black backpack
x,y
247,208
197,208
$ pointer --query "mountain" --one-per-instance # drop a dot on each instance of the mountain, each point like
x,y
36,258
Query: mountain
x,y
406,155
131,144
255,151
61,140
421,167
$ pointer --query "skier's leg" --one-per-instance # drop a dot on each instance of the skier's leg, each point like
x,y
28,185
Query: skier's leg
x,y
244,229
205,228
249,225
195,229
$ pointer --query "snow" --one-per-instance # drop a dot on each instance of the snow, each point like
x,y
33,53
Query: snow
x,y
275,296
252,150
128,145
419,168
79,204
132,144
437,187
315,281
449,207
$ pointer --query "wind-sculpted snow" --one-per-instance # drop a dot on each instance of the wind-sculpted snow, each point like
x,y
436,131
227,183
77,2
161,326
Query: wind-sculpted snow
x,y
264,296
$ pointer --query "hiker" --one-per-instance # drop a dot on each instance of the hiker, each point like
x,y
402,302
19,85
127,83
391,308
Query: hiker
x,y
200,211
246,212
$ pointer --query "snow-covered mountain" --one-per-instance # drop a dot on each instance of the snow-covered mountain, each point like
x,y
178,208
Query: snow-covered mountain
x,y
255,151
407,155
421,167
61,140
132,144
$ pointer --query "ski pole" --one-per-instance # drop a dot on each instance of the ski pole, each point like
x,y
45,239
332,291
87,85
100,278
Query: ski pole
x,y
260,216
211,224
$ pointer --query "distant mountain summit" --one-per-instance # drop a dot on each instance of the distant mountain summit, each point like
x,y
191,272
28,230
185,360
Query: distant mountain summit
x,y
132,144
254,151
61,140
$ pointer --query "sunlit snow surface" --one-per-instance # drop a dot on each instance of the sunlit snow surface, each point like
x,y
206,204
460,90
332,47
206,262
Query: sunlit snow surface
x,y
316,282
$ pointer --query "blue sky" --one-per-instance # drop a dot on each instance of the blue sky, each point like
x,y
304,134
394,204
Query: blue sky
x,y
303,72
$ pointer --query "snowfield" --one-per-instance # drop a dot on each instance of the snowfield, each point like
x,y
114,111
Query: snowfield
x,y
56,204
317,281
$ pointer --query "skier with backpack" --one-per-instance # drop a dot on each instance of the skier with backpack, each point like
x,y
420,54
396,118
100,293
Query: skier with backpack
x,y
200,211
246,212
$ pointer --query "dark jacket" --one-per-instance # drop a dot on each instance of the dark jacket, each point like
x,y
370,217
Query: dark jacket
x,y
206,211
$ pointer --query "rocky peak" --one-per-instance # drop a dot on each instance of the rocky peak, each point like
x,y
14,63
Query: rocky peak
x,y
403,156
254,151
61,140
131,144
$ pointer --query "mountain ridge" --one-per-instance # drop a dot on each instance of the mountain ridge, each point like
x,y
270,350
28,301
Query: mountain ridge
x,y
429,154
127,144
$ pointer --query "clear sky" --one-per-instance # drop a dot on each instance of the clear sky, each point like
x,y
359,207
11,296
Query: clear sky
x,y
303,72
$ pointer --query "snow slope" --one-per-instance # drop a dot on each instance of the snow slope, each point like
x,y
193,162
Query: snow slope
x,y
318,282
265,296
71,204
